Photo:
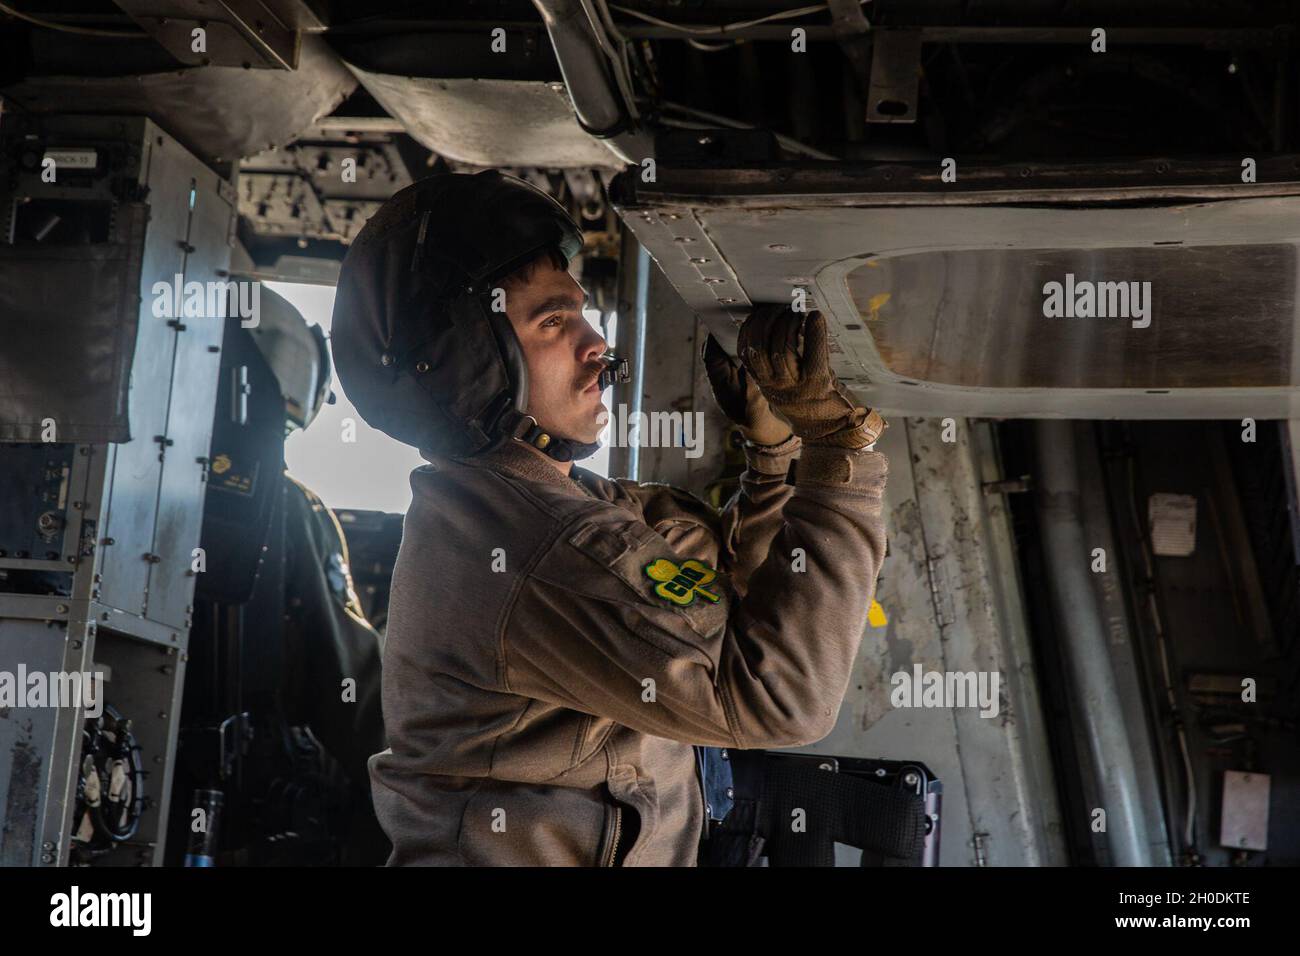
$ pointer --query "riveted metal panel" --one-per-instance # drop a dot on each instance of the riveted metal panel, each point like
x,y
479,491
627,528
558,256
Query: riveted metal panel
x,y
935,291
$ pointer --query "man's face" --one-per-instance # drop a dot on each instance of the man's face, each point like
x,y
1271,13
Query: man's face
x,y
563,353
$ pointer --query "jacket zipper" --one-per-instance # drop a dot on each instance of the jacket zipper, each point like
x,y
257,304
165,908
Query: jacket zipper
x,y
618,832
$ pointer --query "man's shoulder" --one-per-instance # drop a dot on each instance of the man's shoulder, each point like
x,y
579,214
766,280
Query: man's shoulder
x,y
610,540
608,555
662,502
450,482
480,501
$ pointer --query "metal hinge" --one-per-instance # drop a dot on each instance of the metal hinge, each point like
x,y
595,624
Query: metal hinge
x,y
939,592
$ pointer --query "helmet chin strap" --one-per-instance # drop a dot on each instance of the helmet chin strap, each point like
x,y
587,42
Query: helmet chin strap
x,y
560,449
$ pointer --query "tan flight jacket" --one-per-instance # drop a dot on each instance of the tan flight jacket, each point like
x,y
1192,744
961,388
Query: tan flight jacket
x,y
537,686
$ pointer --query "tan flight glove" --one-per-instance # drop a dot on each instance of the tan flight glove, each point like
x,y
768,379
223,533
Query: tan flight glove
x,y
738,395
788,355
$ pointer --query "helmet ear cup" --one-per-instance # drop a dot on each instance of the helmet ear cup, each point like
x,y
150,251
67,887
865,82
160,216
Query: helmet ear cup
x,y
512,353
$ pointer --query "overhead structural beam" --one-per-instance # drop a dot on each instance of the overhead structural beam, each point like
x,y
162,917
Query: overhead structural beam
x,y
254,34
1226,39
598,103
852,31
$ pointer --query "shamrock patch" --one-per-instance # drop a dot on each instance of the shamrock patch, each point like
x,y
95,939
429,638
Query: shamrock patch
x,y
680,584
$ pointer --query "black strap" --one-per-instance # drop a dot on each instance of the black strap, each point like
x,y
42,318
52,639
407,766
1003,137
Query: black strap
x,y
524,428
838,808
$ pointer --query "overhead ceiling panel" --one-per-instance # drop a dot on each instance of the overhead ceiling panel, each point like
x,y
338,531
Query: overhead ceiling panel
x,y
220,113
489,122
941,298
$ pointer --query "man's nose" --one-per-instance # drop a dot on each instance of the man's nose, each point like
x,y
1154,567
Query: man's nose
x,y
592,346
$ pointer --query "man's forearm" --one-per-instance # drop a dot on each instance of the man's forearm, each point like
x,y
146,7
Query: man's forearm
x,y
753,516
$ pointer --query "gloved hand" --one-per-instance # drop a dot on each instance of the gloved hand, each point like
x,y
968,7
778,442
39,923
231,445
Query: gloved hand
x,y
788,355
738,395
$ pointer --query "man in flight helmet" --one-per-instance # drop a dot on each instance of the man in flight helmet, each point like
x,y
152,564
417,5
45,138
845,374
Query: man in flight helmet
x,y
558,642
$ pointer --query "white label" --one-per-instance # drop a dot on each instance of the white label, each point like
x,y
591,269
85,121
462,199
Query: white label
x,y
73,158
1173,524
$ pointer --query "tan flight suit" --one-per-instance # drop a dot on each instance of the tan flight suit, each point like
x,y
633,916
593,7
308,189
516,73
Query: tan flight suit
x,y
533,694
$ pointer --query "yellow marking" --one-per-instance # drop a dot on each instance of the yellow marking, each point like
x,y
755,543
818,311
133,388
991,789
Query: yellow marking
x,y
874,304
876,616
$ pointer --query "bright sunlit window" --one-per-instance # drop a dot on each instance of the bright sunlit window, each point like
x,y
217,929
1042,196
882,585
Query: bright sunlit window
x,y
372,473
